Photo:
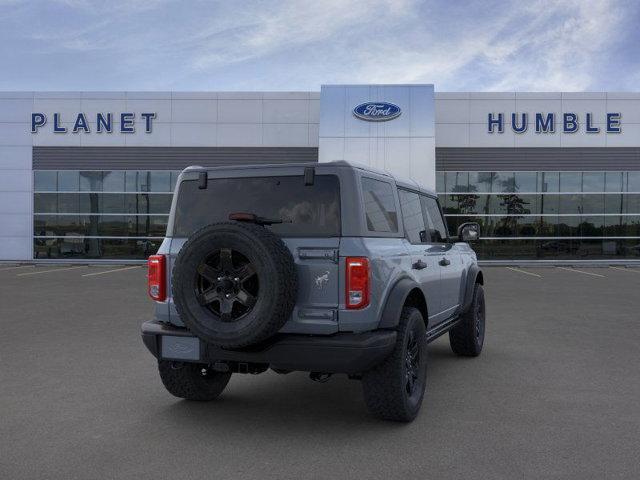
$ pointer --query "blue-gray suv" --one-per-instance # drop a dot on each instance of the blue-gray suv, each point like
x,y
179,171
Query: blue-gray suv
x,y
326,268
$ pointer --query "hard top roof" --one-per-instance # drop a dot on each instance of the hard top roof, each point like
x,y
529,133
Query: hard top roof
x,y
400,181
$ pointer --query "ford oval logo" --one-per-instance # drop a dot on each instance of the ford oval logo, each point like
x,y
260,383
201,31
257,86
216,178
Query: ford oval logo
x,y
377,111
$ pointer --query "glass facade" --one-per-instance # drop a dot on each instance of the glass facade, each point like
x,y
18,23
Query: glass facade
x,y
100,214
122,214
546,215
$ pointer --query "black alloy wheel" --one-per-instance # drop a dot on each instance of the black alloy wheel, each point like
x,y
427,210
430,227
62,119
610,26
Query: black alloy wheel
x,y
227,284
412,363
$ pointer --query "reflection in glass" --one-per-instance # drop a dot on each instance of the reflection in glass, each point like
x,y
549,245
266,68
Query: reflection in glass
x,y
526,182
549,182
68,181
570,181
45,181
593,181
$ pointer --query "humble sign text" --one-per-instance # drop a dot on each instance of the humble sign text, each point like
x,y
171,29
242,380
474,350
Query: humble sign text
x,y
551,122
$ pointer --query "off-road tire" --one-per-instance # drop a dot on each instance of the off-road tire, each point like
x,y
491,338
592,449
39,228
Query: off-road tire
x,y
385,386
467,337
187,380
275,270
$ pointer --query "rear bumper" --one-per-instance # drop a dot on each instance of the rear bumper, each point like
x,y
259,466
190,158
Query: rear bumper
x,y
349,353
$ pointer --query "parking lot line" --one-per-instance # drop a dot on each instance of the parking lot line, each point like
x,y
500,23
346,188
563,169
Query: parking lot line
x,y
49,271
522,271
581,271
15,268
633,270
112,271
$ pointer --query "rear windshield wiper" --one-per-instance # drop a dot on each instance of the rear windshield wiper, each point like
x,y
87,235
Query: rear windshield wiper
x,y
253,218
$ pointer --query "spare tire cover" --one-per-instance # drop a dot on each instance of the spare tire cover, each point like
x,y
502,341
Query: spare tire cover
x,y
234,284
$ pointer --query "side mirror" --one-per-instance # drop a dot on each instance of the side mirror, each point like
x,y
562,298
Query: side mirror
x,y
469,232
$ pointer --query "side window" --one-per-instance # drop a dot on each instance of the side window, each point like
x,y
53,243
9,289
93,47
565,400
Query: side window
x,y
412,216
437,228
379,206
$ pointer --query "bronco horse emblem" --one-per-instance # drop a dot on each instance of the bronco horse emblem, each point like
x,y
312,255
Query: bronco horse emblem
x,y
322,279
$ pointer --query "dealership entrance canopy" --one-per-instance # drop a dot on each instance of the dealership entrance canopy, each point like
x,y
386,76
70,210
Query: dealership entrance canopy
x,y
549,176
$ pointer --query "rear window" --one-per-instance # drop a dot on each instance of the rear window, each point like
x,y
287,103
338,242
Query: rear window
x,y
306,211
379,206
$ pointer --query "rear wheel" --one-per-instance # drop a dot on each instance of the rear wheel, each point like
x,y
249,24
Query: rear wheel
x,y
467,337
394,389
192,381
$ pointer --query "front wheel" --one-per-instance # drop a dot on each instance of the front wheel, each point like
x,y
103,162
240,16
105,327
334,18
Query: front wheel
x,y
467,337
394,389
192,381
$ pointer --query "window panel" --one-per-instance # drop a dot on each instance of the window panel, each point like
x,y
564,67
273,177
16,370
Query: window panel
x,y
613,182
570,181
45,181
592,203
45,203
569,226
159,181
527,226
592,226
633,182
613,203
570,203
548,182
440,185
379,203
113,181
526,182
631,203
457,182
95,248
469,203
68,203
91,181
412,217
68,181
503,182
480,181
593,182
435,222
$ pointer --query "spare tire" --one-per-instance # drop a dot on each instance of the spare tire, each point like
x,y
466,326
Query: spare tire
x,y
234,284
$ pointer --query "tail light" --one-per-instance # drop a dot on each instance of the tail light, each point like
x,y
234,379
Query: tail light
x,y
357,280
156,278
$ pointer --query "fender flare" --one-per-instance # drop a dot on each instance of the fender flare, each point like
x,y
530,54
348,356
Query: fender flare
x,y
395,301
471,280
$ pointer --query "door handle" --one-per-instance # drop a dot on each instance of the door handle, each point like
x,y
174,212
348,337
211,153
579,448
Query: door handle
x,y
444,262
419,265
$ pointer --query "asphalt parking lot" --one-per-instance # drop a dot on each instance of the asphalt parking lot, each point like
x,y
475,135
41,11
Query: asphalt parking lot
x,y
555,394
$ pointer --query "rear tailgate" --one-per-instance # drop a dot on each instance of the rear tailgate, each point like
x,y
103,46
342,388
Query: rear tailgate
x,y
316,309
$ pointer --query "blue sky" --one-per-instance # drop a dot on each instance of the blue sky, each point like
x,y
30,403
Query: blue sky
x,y
535,45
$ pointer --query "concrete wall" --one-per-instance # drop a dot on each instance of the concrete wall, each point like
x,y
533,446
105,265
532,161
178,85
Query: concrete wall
x,y
404,145
461,119
189,119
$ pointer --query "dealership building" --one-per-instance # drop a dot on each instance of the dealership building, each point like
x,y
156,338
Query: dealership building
x,y
549,176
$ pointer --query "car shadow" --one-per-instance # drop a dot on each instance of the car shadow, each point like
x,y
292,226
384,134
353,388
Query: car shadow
x,y
269,401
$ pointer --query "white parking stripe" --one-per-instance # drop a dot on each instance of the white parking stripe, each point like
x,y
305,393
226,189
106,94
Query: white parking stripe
x,y
634,270
15,268
522,271
581,271
111,271
49,271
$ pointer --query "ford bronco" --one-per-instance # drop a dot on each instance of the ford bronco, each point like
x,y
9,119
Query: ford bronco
x,y
325,268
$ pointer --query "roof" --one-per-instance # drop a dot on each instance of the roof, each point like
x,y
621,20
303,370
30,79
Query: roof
x,y
400,181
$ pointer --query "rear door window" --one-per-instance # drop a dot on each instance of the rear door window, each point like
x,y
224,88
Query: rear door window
x,y
437,229
379,206
305,210
412,216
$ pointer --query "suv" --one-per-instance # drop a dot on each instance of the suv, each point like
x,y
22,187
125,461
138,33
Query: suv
x,y
325,268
